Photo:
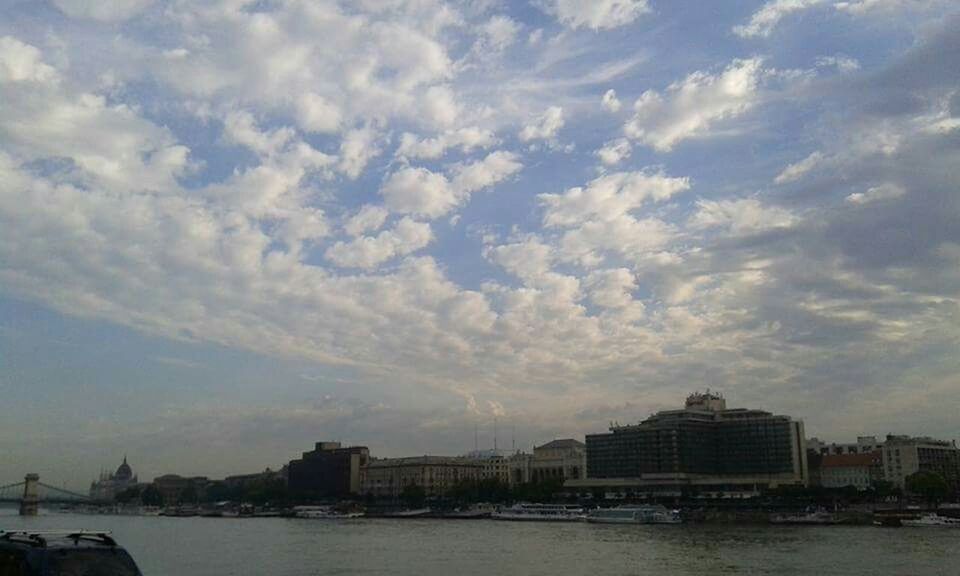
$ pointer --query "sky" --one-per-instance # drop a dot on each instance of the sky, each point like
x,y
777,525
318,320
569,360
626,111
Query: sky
x,y
232,228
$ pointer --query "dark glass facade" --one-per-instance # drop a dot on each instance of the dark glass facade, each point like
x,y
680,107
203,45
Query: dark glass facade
x,y
702,442
329,471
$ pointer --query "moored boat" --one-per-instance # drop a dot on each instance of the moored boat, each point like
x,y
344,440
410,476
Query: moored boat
x,y
540,512
408,513
931,520
808,518
654,514
325,513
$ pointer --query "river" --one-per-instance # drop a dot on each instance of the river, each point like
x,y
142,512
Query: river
x,y
294,547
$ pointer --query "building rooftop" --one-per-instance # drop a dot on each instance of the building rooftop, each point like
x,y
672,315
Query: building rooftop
x,y
422,461
561,444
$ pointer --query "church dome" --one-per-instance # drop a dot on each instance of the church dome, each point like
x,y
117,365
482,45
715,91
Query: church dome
x,y
124,472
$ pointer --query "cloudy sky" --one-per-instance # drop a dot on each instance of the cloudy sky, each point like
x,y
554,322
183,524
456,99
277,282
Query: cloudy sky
x,y
229,229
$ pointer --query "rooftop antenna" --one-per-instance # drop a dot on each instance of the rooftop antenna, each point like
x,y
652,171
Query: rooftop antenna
x,y
494,434
513,438
476,441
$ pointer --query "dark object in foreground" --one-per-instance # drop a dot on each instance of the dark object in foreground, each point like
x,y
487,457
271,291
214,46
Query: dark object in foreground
x,y
63,553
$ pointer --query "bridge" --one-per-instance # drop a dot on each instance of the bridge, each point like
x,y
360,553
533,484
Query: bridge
x,y
32,492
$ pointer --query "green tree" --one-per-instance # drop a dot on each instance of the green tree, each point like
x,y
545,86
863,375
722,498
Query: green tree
x,y
150,496
188,495
131,494
931,486
413,496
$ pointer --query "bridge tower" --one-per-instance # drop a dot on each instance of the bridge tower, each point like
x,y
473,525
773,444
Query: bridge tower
x,y
31,495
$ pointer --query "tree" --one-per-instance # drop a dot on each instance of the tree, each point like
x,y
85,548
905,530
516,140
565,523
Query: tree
x,y
931,486
129,495
413,496
151,496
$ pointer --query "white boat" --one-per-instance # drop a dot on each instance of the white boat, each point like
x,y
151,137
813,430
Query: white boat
x,y
408,513
931,520
634,515
324,513
540,512
808,518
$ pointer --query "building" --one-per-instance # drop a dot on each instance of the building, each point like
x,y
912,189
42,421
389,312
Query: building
x,y
243,481
562,460
858,470
175,489
328,471
704,447
863,445
904,456
436,475
109,485
496,464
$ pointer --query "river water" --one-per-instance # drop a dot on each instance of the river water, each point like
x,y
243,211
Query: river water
x,y
294,547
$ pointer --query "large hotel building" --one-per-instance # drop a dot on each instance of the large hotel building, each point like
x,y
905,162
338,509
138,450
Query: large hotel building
x,y
703,448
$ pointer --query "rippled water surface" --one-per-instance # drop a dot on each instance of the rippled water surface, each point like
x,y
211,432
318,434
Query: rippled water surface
x,y
288,547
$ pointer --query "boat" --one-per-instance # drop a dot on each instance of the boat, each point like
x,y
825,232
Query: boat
x,y
634,515
931,520
818,518
467,513
540,512
324,513
408,513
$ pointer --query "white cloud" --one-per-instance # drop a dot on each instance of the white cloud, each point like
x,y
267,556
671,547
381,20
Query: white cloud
x,y
425,193
625,235
500,32
369,218
466,139
611,288
369,252
316,114
240,127
764,20
440,106
596,14
545,126
357,148
614,152
861,7
610,101
840,62
690,107
104,10
21,62
795,171
493,169
419,191
876,193
602,217
740,217
527,259
609,197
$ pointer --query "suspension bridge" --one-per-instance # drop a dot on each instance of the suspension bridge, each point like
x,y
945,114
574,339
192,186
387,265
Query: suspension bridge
x,y
31,493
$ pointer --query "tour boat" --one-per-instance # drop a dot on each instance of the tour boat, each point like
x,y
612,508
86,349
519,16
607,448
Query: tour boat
x,y
808,518
408,513
931,520
634,515
324,513
540,512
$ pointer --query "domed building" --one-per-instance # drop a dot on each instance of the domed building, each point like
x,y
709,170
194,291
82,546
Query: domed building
x,y
109,485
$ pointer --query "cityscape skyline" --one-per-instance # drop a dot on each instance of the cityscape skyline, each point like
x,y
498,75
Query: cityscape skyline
x,y
483,451
231,229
